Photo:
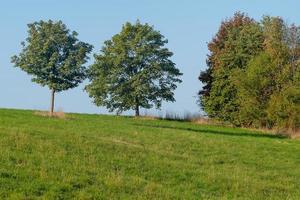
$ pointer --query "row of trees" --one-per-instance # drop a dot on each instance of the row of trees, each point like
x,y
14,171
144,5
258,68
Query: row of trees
x,y
253,74
252,79
132,70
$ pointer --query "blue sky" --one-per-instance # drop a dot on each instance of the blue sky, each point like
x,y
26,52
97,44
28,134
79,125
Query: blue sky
x,y
187,24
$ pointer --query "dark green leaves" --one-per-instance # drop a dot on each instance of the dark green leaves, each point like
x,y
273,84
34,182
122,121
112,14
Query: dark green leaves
x,y
239,39
253,73
53,56
133,70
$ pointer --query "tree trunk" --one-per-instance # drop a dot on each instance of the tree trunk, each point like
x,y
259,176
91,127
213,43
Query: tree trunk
x,y
52,102
137,108
137,111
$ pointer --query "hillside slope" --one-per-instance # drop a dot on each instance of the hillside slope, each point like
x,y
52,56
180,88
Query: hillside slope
x,y
111,157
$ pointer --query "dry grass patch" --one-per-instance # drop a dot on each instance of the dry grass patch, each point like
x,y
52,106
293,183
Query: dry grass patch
x,y
58,114
293,134
147,117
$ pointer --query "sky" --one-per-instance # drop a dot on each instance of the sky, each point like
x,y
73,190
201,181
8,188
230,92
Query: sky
x,y
187,24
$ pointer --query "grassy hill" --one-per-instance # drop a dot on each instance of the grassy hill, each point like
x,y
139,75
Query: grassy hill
x,y
111,157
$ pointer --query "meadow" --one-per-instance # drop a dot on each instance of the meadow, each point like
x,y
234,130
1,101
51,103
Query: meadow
x,y
116,157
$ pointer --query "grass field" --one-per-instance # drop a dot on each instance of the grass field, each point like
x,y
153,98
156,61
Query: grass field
x,y
113,157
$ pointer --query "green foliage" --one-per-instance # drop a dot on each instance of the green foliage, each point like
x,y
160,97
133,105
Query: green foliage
x,y
284,108
252,77
133,70
114,157
239,39
53,56
255,85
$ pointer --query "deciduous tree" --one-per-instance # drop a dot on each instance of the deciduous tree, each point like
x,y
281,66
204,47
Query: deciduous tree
x,y
54,56
133,71
238,40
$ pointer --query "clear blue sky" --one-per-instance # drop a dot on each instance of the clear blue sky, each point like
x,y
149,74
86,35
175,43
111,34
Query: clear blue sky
x,y
187,24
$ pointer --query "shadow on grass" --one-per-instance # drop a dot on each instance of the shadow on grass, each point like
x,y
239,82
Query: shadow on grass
x,y
218,132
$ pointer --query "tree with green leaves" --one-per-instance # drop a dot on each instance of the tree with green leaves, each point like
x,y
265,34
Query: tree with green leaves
x,y
284,105
255,85
253,75
264,76
53,56
133,71
238,40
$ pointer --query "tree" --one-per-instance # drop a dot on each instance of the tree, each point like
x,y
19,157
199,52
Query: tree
x,y
133,70
53,56
253,75
238,40
255,85
284,105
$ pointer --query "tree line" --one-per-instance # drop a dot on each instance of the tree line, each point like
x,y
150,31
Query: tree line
x,y
252,77
253,74
133,69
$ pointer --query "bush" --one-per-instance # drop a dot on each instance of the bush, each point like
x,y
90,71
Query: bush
x,y
284,109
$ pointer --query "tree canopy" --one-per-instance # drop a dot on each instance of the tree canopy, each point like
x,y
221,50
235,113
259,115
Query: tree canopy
x,y
252,77
54,56
238,40
133,70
